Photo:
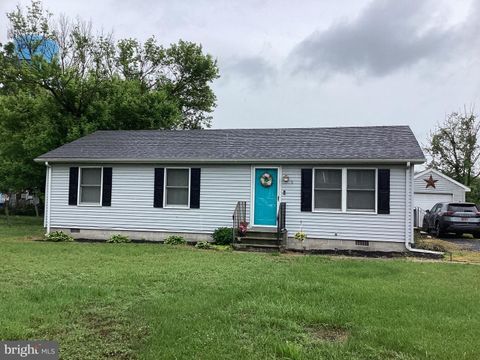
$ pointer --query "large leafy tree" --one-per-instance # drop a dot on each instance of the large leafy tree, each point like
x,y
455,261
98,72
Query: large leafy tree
x,y
453,148
60,81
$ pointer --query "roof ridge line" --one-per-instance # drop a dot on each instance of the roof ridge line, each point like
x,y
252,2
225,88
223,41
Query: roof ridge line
x,y
265,128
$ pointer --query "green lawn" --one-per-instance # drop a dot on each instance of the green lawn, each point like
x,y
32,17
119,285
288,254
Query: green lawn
x,y
20,228
150,301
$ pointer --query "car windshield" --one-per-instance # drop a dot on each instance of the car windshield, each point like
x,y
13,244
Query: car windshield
x,y
462,208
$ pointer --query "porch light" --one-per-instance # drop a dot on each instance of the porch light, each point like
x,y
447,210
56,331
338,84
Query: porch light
x,y
285,178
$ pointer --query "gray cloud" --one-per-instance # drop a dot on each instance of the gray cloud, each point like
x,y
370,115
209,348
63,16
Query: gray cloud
x,y
387,36
255,70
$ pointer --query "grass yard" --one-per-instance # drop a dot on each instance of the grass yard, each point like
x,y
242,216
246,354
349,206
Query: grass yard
x,y
20,228
151,301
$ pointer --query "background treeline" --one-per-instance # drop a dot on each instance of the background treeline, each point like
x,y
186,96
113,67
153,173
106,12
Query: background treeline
x,y
59,81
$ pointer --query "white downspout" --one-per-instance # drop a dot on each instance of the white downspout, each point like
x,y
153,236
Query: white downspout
x,y
47,200
408,210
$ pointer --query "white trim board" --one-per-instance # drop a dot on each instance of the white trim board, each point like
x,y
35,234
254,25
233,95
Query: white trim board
x,y
426,171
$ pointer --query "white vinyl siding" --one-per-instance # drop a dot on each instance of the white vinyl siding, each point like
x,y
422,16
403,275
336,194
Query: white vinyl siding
x,y
132,201
221,187
366,226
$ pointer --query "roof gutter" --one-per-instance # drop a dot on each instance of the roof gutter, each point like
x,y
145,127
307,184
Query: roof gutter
x,y
408,212
230,161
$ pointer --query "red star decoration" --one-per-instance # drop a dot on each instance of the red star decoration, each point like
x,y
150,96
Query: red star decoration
x,y
430,182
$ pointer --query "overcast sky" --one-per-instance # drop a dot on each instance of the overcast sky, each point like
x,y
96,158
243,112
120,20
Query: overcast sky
x,y
314,63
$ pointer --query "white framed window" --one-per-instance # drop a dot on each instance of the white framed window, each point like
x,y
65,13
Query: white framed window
x,y
177,187
361,190
345,190
90,186
327,189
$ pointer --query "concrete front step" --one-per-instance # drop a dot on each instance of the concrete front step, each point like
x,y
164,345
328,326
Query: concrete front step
x,y
267,229
265,234
257,247
258,240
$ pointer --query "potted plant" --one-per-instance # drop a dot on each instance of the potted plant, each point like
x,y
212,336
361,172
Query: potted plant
x,y
301,236
242,228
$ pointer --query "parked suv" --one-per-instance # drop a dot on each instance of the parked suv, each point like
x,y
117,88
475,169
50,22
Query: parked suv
x,y
458,218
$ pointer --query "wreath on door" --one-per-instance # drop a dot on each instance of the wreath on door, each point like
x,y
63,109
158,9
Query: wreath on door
x,y
266,180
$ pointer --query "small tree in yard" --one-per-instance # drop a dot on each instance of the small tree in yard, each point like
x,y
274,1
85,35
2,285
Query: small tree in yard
x,y
454,148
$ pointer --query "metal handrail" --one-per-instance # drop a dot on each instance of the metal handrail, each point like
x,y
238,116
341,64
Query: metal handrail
x,y
239,216
281,219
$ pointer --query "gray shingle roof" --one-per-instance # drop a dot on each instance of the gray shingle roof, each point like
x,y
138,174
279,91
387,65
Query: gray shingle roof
x,y
339,143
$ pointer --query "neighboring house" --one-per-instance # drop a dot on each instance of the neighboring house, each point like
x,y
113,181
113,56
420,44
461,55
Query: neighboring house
x,y
346,188
432,187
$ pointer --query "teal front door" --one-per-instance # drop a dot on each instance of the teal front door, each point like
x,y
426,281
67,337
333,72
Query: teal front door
x,y
265,202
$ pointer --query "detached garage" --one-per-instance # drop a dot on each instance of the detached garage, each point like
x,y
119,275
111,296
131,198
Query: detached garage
x,y
431,187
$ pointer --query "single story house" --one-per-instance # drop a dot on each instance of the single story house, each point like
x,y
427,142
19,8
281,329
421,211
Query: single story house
x,y
431,187
344,187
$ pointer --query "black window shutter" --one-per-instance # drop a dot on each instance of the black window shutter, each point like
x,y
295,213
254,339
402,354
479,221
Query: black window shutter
x,y
107,187
158,188
73,186
306,196
195,188
383,204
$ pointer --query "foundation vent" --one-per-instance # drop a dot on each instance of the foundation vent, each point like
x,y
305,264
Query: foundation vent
x,y
362,243
74,230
